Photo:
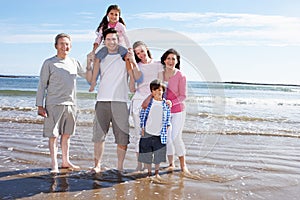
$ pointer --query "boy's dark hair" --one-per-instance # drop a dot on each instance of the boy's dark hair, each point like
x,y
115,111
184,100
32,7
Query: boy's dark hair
x,y
108,31
155,84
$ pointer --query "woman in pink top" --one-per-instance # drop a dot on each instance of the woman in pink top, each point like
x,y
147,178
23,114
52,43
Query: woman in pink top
x,y
176,93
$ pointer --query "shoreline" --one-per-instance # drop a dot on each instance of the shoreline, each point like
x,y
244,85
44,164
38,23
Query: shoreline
x,y
230,167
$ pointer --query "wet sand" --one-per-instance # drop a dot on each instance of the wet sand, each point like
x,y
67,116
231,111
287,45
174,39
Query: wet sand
x,y
228,167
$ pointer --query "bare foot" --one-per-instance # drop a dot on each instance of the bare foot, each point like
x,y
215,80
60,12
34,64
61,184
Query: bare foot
x,y
186,173
170,168
158,179
54,170
96,170
70,167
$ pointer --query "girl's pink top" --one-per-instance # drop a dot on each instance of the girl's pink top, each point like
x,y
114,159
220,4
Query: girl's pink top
x,y
177,92
123,39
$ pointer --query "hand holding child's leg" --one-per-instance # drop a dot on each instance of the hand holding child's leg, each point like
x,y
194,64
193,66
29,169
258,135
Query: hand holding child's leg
x,y
96,70
92,87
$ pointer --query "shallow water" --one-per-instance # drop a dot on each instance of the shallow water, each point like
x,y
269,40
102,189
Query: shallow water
x,y
228,167
242,142
226,108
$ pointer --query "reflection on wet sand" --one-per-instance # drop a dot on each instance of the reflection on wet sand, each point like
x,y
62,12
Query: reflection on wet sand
x,y
224,166
36,182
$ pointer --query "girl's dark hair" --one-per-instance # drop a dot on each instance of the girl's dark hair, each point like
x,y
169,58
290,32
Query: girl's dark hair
x,y
165,55
104,21
140,43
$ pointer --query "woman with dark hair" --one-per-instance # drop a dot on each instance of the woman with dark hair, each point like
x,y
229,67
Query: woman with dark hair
x,y
176,93
145,70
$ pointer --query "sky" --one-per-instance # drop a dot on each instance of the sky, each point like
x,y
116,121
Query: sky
x,y
254,41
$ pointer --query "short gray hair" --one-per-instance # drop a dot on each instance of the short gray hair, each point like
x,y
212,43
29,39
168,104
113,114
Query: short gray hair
x,y
61,35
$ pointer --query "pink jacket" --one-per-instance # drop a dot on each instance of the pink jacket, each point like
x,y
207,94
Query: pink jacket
x,y
177,92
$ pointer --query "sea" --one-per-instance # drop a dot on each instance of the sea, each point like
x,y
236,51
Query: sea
x,y
242,142
212,107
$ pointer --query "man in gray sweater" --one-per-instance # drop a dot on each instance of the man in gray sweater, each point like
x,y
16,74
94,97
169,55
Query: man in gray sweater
x,y
56,100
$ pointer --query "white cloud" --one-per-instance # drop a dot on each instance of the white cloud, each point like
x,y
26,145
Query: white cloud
x,y
87,15
39,33
205,28
76,35
234,29
51,25
27,38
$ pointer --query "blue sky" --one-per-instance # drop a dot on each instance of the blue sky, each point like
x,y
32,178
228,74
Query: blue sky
x,y
247,40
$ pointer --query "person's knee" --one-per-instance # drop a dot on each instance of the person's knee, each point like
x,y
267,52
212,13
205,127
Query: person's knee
x,y
123,147
66,136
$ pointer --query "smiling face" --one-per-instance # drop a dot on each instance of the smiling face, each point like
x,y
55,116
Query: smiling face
x,y
113,16
141,53
157,93
63,47
171,61
111,42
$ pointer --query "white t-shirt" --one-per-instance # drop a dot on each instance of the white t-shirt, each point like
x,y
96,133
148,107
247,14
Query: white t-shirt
x,y
154,120
113,85
150,72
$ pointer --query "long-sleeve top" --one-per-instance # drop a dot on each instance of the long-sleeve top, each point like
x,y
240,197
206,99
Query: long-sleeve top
x,y
166,119
57,84
121,29
177,92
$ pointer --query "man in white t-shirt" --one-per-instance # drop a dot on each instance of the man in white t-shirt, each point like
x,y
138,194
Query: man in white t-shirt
x,y
112,98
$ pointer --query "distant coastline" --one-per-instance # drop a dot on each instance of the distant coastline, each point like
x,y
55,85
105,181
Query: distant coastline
x,y
17,76
247,83
226,82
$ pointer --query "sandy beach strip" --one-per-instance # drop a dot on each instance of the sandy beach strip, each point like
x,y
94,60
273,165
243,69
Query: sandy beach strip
x,y
228,167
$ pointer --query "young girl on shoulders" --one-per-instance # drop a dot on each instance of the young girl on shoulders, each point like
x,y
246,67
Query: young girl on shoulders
x,y
112,19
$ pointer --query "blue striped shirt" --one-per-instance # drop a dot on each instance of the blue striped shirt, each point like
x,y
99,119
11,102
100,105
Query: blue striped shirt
x,y
166,119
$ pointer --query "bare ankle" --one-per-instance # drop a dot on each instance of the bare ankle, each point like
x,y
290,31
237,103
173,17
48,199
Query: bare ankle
x,y
172,165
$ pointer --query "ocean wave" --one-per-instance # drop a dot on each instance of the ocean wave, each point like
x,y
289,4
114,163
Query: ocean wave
x,y
17,93
10,108
282,134
240,118
248,118
22,120
243,86
191,112
227,101
38,120
186,130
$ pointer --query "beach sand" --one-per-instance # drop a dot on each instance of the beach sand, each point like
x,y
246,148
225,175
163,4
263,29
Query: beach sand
x,y
227,167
